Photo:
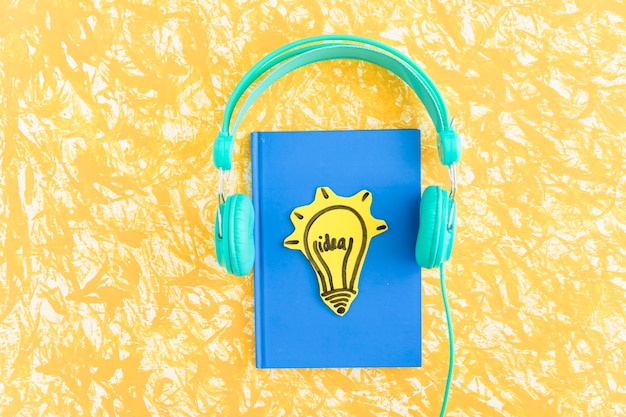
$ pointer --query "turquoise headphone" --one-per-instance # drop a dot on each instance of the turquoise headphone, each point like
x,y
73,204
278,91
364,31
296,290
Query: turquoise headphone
x,y
234,225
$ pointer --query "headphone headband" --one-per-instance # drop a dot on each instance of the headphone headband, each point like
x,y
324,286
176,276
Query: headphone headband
x,y
322,48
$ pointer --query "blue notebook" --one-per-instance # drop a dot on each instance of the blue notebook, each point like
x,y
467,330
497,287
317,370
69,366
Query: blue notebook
x,y
293,325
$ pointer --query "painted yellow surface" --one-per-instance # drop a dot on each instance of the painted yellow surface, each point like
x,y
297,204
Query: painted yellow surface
x,y
111,301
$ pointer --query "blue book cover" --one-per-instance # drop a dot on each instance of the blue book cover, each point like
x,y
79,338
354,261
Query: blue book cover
x,y
302,319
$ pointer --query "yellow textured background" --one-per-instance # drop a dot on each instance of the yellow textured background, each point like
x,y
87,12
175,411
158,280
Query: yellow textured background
x,y
111,302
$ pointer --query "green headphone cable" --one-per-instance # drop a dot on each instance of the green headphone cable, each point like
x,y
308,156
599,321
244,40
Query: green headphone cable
x,y
446,393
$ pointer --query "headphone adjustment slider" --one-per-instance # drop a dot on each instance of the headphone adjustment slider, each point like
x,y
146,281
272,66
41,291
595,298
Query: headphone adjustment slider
x,y
449,147
223,150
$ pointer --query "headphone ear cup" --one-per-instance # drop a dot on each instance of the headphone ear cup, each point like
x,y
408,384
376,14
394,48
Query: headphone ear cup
x,y
434,238
237,243
220,249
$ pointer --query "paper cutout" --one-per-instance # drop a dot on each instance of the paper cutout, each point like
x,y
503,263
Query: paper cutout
x,y
334,234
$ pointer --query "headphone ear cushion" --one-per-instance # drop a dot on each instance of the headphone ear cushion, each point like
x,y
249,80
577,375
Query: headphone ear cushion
x,y
238,234
434,238
221,246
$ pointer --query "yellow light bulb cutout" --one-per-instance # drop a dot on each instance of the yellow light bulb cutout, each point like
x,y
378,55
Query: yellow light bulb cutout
x,y
334,234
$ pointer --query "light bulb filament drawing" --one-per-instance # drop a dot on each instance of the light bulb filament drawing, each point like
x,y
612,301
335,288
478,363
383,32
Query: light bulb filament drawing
x,y
334,233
